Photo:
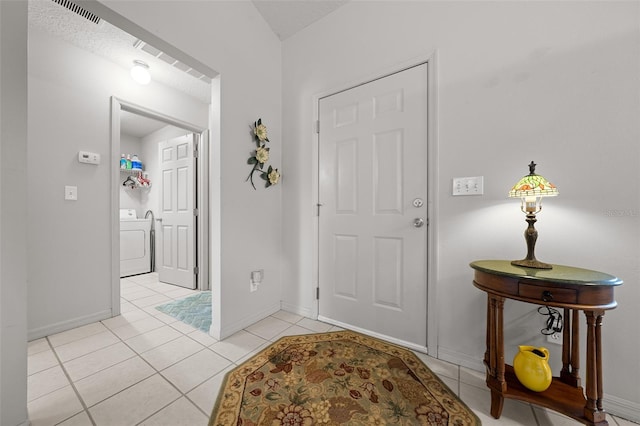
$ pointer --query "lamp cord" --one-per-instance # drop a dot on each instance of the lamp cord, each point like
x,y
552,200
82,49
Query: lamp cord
x,y
554,322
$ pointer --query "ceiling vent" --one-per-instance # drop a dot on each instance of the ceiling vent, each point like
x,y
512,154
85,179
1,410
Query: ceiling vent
x,y
78,10
139,44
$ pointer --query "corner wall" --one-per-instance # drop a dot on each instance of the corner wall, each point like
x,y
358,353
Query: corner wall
x,y
13,204
232,38
69,242
554,82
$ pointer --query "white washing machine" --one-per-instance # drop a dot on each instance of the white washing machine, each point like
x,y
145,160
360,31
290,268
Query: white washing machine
x,y
135,244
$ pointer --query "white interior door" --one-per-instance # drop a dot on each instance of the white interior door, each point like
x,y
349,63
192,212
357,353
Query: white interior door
x,y
176,235
373,192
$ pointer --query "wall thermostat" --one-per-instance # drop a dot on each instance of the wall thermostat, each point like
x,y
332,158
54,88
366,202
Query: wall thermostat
x,y
88,157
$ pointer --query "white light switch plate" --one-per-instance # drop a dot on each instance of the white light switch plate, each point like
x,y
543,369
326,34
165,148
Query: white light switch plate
x,y
71,193
256,276
468,185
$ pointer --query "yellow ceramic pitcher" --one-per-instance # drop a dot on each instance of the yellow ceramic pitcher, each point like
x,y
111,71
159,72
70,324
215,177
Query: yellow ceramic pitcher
x,y
532,369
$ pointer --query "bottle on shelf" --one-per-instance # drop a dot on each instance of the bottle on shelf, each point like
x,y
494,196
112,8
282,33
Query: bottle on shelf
x,y
123,162
135,162
128,161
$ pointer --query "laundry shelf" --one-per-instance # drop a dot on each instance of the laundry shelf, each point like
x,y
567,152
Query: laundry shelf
x,y
131,171
133,180
134,187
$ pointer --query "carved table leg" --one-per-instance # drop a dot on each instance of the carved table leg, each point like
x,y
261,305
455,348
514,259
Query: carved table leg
x,y
599,361
565,373
497,401
487,353
500,342
575,348
570,373
495,337
593,408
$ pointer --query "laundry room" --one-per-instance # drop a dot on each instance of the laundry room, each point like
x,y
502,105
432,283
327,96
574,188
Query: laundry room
x,y
141,190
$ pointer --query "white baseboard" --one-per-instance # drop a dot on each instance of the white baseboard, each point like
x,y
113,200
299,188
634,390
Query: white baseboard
x,y
59,327
247,321
619,407
295,309
307,312
393,340
461,359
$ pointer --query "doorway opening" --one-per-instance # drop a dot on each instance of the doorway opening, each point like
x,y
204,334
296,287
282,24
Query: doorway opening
x,y
117,41
172,184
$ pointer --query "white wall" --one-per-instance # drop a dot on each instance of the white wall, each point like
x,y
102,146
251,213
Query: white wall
x,y
69,248
13,222
554,82
232,38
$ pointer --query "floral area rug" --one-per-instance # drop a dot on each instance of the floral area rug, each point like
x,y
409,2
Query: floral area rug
x,y
194,310
339,378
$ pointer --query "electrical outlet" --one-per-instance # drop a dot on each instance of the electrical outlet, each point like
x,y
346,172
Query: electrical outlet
x,y
555,338
255,280
552,323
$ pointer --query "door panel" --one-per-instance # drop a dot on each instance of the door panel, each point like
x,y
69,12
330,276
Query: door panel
x,y
387,172
176,263
387,282
373,164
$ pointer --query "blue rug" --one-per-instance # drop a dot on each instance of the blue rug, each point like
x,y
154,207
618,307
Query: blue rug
x,y
194,310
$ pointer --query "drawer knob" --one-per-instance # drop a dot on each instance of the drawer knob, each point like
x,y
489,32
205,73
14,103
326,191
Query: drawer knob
x,y
547,296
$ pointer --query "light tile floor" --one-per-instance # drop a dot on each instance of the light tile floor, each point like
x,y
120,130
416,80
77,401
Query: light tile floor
x,y
146,368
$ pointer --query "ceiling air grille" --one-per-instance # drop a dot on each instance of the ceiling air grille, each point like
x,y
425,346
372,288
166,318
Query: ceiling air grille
x,y
139,44
79,10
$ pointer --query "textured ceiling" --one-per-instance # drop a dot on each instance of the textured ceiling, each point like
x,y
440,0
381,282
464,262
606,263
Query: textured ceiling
x,y
111,43
287,17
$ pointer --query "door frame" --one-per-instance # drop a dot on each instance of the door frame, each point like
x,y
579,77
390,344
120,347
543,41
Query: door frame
x,y
430,60
202,229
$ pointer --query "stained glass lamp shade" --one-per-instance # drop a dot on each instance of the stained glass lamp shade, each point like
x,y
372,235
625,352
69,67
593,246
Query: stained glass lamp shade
x,y
530,189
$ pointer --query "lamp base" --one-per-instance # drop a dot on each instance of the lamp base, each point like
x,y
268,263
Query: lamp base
x,y
532,263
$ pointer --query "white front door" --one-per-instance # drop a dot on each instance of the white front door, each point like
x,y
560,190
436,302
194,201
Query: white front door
x,y
373,192
175,235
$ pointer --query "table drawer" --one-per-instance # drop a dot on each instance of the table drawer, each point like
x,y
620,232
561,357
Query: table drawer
x,y
548,294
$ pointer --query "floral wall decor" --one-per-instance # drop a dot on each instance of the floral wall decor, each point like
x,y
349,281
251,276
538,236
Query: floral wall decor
x,y
260,157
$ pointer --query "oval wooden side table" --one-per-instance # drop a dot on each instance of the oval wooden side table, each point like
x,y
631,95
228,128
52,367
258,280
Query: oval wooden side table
x,y
566,287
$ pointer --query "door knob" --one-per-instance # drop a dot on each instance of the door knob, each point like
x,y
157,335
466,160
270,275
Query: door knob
x,y
418,222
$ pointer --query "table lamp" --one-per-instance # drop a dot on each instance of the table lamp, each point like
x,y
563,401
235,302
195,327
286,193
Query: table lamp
x,y
530,189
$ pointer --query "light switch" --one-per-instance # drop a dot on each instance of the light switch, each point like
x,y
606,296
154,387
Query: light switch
x,y
256,276
71,193
468,185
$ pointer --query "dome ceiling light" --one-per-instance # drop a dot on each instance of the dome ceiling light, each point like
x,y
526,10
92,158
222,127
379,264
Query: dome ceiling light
x,y
140,72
